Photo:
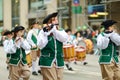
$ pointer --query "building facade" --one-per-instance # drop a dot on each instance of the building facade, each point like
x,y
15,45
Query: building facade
x,y
23,12
111,7
71,14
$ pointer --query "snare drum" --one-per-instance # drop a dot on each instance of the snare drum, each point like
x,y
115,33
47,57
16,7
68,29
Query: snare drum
x,y
80,54
69,52
29,59
89,45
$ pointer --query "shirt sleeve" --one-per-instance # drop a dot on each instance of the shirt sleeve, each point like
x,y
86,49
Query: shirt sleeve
x,y
115,38
102,41
25,45
29,36
9,46
42,39
60,35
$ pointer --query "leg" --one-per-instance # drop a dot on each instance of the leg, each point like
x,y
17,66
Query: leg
x,y
38,55
49,73
10,68
107,72
25,72
75,62
116,72
39,71
84,62
7,61
59,73
69,67
14,72
34,62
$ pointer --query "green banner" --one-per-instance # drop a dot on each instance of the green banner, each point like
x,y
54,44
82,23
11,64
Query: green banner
x,y
77,9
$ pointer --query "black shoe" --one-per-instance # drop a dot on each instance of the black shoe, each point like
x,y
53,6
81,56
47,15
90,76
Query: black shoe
x,y
75,62
67,66
34,73
7,68
85,63
39,71
70,69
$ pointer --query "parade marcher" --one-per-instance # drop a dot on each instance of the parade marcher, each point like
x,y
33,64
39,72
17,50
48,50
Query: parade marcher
x,y
16,47
79,42
107,42
32,40
6,37
69,42
88,34
50,42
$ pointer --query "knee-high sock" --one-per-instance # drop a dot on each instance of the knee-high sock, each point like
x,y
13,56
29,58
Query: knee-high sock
x,y
34,66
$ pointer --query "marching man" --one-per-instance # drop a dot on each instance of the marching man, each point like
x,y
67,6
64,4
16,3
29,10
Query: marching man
x,y
50,41
16,47
32,40
107,42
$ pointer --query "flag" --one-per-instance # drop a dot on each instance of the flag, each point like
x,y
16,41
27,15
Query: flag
x,y
77,9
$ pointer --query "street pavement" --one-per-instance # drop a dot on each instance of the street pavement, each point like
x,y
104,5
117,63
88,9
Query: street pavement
x,y
91,71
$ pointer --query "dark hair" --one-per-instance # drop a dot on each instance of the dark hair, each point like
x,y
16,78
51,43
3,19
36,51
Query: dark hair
x,y
77,33
16,29
68,30
106,24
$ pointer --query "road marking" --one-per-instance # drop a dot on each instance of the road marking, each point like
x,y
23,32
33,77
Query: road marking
x,y
82,72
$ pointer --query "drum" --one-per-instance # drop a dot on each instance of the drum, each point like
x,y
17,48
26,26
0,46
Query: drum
x,y
80,53
69,52
29,59
89,46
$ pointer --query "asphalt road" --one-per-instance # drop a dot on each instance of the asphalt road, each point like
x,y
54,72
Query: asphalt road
x,y
91,71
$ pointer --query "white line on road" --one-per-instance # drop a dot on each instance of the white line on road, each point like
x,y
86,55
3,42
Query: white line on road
x,y
82,72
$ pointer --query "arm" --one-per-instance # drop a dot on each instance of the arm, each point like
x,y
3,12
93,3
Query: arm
x,y
42,39
9,47
60,35
29,35
102,41
115,38
25,45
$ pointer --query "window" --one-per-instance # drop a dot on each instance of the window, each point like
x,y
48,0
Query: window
x,y
35,5
15,12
